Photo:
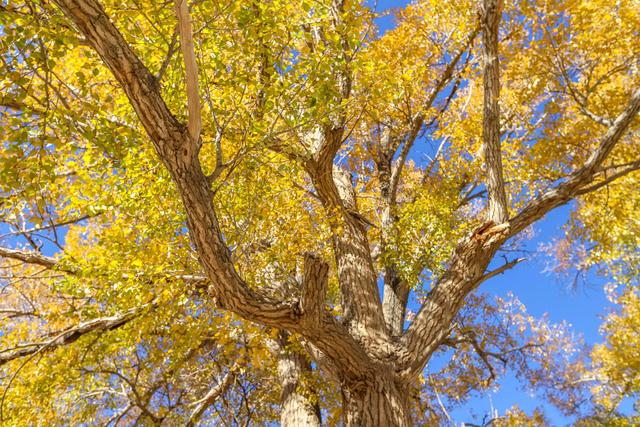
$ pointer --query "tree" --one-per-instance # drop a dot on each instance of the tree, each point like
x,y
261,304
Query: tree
x,y
597,239
214,161
616,362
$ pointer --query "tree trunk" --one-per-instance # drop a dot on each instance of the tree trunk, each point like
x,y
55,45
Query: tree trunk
x,y
296,408
396,296
377,402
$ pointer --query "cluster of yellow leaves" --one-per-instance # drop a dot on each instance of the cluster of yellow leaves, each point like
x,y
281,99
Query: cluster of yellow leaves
x,y
516,417
270,73
617,361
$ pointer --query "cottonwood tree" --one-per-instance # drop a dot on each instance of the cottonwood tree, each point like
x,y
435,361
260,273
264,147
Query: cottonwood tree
x,y
198,194
597,240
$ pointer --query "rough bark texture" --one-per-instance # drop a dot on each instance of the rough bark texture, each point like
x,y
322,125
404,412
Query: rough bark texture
x,y
497,209
396,291
379,401
396,297
375,362
296,408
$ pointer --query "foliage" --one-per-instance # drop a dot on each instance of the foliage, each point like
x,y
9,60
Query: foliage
x,y
93,225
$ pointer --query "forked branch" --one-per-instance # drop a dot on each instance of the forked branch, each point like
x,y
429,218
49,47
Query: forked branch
x,y
578,182
474,253
212,395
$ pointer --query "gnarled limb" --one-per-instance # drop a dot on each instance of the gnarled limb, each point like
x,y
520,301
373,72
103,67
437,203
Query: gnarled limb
x,y
180,155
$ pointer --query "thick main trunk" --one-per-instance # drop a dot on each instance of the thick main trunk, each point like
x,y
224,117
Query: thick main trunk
x,y
377,402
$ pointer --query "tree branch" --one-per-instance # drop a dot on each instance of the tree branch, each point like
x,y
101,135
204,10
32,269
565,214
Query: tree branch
x,y
314,289
474,253
622,171
191,69
362,308
52,225
418,121
30,258
493,273
180,155
491,13
578,97
50,263
211,396
72,334
361,305
140,86
576,183
171,49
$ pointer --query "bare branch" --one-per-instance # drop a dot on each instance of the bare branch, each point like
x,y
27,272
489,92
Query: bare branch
x,y
493,273
171,49
191,69
213,394
297,408
29,257
53,225
491,12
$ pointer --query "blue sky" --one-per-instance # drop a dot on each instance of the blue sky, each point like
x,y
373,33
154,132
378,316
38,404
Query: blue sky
x,y
541,292
582,307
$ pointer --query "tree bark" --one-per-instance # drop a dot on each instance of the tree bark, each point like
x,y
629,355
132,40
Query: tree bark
x,y
396,291
497,209
375,369
296,408
396,297
379,401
